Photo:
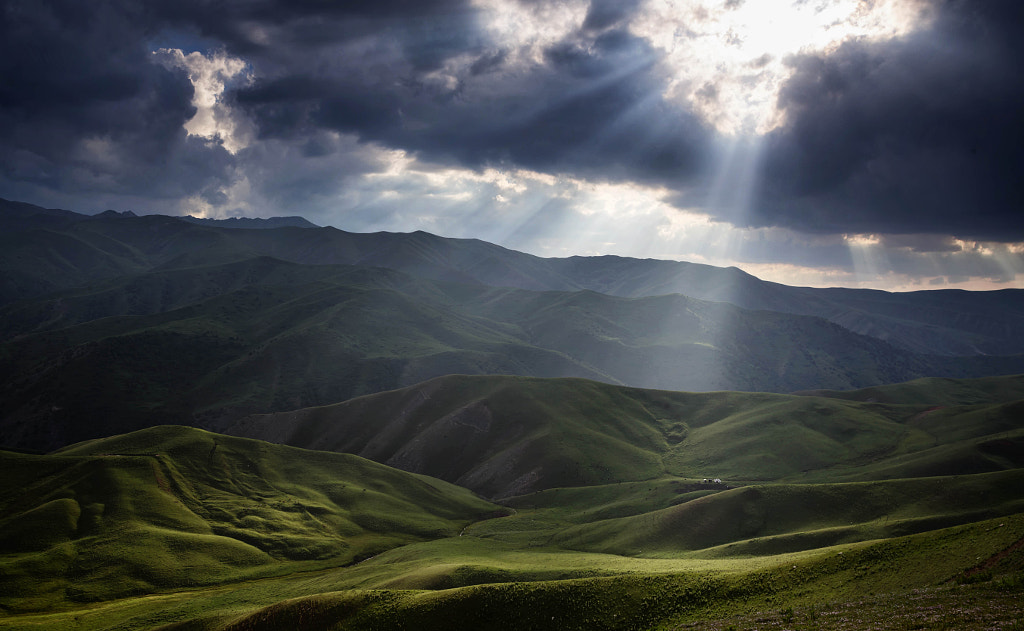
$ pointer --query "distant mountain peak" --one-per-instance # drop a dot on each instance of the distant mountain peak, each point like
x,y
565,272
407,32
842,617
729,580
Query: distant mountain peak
x,y
113,214
253,222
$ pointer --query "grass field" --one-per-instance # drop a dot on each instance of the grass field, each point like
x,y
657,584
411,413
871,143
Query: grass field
x,y
472,583
837,513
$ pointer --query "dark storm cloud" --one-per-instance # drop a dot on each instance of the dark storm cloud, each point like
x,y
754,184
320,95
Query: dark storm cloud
x,y
384,73
918,134
85,106
593,107
285,30
84,109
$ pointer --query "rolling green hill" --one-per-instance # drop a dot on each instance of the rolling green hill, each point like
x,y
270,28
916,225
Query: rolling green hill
x,y
944,322
167,321
937,392
607,518
173,507
780,518
298,339
503,436
499,436
176,528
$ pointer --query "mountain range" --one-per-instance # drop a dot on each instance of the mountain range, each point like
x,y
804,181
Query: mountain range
x,y
52,249
116,322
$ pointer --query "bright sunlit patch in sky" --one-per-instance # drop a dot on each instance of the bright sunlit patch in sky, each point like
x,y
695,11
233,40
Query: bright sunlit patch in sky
x,y
861,240
529,28
730,57
209,75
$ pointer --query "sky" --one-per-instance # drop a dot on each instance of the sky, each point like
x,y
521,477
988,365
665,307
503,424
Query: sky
x,y
811,142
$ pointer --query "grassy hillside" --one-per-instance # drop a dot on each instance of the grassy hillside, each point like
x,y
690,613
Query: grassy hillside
x,y
499,436
174,507
503,436
937,392
766,520
679,343
777,552
279,338
945,322
666,599
607,519
207,344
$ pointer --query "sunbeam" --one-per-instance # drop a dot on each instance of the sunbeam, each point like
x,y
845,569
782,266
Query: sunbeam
x,y
868,257
731,194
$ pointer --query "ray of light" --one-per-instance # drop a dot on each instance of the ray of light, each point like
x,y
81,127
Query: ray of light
x,y
867,256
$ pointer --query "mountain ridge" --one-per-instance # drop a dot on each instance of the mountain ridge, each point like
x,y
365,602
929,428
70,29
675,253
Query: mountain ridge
x,y
253,223
945,322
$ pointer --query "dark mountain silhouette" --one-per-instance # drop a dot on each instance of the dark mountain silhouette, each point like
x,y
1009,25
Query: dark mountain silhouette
x,y
45,250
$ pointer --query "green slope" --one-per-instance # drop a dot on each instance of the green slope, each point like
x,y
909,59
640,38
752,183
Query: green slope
x,y
669,599
204,345
680,343
284,336
499,436
776,519
172,507
831,502
471,582
945,322
609,531
504,436
937,392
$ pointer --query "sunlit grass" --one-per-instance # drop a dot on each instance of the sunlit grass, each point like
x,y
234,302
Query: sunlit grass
x,y
180,527
469,583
